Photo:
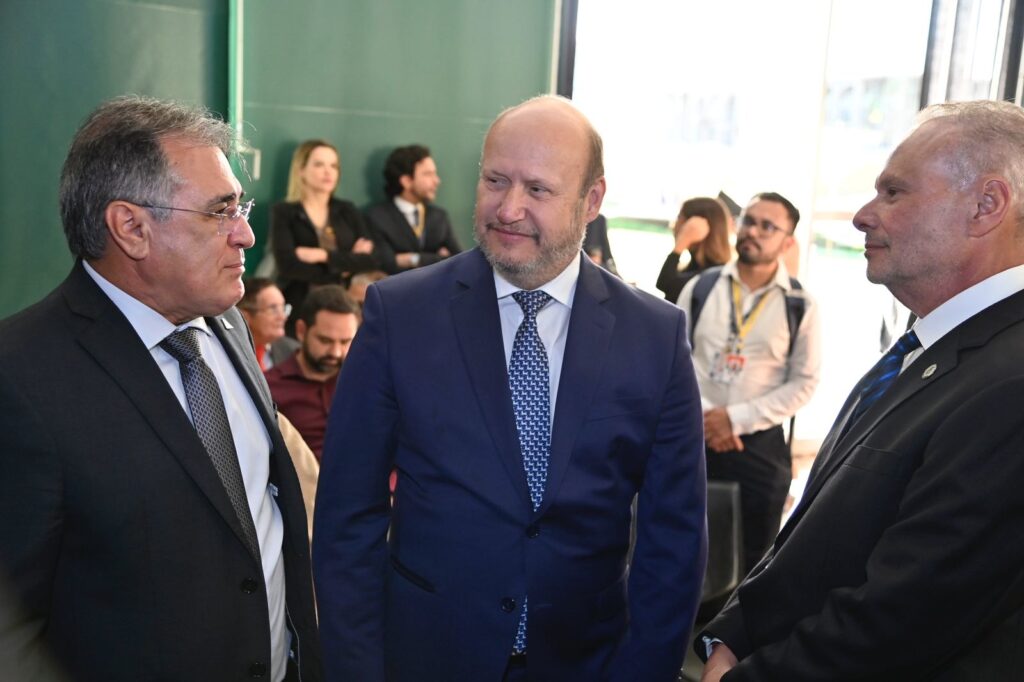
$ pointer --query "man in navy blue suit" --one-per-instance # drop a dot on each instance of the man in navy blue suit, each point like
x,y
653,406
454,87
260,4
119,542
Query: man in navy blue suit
x,y
504,554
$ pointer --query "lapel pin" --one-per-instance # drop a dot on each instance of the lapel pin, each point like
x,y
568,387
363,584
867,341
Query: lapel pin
x,y
227,325
930,370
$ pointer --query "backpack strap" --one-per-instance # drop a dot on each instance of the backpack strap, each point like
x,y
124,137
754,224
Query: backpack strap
x,y
699,296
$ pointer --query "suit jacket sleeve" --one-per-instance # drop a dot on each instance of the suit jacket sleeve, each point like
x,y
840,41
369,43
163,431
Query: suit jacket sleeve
x,y
352,507
939,576
31,523
667,571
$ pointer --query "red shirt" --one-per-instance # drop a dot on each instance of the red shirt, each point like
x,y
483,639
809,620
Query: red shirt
x,y
306,403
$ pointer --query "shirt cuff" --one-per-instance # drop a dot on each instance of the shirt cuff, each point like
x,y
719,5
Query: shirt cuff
x,y
709,645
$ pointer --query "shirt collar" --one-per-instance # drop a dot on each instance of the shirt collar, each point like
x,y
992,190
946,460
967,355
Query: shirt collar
x,y
151,326
406,207
562,288
967,303
780,280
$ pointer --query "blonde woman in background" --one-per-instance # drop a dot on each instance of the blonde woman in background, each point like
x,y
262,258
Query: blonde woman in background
x,y
317,238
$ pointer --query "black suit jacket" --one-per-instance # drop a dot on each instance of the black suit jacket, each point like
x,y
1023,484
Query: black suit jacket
x,y
290,227
393,234
117,537
905,560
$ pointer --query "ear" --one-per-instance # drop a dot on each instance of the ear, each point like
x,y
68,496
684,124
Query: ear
x,y
992,207
128,228
405,181
592,202
300,330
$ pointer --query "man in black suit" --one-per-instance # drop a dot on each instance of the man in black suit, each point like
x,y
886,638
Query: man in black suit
x,y
409,229
905,558
151,525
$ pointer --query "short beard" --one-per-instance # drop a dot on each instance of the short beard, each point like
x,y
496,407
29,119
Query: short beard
x,y
318,365
552,258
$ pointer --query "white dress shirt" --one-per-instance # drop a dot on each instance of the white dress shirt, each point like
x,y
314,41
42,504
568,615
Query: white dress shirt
x,y
552,320
252,443
966,304
773,383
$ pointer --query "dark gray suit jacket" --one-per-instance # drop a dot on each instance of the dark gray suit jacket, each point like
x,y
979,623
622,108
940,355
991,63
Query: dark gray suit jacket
x,y
905,560
117,538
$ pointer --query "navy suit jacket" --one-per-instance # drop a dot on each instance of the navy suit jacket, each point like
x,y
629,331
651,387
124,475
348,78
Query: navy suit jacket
x,y
432,587
905,559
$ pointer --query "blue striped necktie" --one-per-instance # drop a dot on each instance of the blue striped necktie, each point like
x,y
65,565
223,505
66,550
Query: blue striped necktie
x,y
530,383
883,374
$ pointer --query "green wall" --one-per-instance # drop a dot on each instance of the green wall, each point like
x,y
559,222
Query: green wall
x,y
60,58
372,75
366,74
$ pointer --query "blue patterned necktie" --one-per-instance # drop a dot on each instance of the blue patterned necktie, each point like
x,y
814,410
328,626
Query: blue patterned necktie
x,y
883,374
210,420
530,383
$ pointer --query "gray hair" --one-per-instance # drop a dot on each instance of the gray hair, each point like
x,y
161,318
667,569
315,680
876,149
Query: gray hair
x,y
117,155
990,139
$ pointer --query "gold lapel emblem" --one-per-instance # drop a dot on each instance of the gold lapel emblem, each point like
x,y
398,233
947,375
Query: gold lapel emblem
x,y
930,370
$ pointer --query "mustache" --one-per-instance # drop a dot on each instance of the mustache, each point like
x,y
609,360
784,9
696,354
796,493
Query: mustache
x,y
514,228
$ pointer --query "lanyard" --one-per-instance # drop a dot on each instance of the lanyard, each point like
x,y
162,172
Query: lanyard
x,y
741,326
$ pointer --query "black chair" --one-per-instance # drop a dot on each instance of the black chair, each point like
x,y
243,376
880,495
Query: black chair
x,y
725,552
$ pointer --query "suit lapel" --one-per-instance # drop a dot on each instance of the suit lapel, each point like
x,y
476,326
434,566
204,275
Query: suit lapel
x,y
234,338
586,347
939,360
474,308
109,338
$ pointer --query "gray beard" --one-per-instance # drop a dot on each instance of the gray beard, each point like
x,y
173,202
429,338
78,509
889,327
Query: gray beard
x,y
552,259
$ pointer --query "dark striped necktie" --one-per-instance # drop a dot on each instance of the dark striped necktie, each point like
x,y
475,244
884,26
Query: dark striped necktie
x,y
883,374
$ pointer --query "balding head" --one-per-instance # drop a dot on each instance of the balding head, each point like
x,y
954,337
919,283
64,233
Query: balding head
x,y
562,112
541,182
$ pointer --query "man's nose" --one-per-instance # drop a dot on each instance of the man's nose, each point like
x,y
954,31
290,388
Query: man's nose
x,y
512,205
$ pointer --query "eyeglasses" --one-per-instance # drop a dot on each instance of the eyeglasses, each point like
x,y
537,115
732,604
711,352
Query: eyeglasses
x,y
228,220
767,228
276,309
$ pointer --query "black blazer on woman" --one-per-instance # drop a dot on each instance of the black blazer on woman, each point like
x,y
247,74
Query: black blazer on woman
x,y
291,227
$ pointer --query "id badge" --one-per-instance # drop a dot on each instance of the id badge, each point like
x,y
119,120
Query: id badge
x,y
727,366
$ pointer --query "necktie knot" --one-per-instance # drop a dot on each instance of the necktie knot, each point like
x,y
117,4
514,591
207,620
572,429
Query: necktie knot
x,y
531,301
905,344
182,345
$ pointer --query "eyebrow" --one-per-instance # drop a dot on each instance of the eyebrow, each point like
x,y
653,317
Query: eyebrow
x,y
226,199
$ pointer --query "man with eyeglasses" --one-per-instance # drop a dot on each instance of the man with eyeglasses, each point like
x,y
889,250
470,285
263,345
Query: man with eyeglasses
x,y
151,525
756,349
265,312
303,384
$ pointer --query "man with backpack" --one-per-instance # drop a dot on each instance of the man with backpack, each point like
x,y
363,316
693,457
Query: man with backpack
x,y
757,353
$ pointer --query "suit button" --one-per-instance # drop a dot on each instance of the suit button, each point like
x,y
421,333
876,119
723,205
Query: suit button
x,y
508,604
532,531
249,586
257,670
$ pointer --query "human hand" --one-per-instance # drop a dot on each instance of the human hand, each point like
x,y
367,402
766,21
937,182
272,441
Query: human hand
x,y
362,245
443,252
690,231
311,254
404,260
721,661
718,431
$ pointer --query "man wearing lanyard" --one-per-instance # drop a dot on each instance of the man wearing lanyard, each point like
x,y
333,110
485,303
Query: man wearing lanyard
x,y
757,363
